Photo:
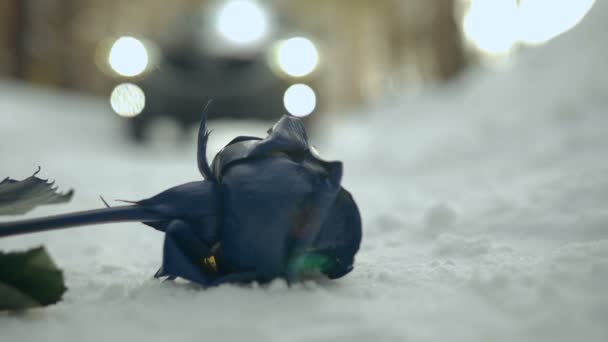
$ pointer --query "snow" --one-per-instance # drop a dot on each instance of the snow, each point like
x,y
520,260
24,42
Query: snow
x,y
483,206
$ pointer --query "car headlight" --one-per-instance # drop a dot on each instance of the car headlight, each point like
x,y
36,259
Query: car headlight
x,y
128,56
297,56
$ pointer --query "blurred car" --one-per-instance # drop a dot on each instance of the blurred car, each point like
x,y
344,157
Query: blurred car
x,y
228,52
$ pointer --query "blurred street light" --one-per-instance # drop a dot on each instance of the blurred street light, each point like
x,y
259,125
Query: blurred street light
x,y
542,20
497,26
300,100
491,25
242,22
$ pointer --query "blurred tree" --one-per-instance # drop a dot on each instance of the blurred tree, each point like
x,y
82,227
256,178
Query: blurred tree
x,y
448,42
11,40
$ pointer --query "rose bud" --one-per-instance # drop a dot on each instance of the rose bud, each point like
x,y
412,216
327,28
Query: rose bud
x,y
282,204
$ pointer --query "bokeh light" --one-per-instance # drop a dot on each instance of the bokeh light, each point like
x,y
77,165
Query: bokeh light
x,y
242,22
491,25
128,56
128,100
497,26
300,100
297,56
542,20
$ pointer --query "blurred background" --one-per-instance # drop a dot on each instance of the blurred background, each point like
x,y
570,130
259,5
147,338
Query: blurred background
x,y
473,135
151,59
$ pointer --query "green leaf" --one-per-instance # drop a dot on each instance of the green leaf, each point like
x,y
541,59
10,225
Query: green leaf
x,y
29,279
19,197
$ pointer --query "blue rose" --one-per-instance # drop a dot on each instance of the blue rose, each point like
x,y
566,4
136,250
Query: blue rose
x,y
268,208
279,211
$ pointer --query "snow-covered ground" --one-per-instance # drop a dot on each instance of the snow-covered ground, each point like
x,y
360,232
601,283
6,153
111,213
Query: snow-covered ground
x,y
484,205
